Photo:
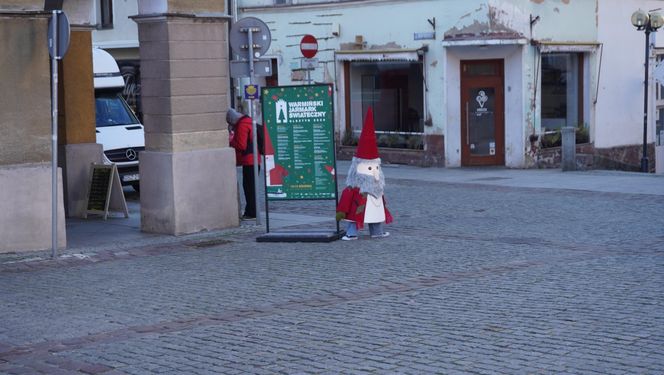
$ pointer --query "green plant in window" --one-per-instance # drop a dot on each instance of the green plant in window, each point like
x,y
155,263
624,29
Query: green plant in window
x,y
551,139
415,143
582,134
383,141
349,139
394,140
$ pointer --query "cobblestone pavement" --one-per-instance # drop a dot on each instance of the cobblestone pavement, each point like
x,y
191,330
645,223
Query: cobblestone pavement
x,y
474,279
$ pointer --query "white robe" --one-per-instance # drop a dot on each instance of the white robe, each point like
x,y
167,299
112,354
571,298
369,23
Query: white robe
x,y
374,211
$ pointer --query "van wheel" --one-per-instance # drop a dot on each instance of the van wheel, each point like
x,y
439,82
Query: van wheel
x,y
136,186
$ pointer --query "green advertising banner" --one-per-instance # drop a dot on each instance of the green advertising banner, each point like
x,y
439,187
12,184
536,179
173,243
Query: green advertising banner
x,y
299,142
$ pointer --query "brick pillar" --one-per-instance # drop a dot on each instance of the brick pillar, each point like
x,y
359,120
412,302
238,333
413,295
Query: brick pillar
x,y
188,176
77,121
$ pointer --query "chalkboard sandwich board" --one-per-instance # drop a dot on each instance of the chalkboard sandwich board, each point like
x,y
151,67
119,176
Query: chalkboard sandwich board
x,y
104,180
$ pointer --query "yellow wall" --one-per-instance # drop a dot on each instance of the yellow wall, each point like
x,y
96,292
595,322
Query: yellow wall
x,y
78,91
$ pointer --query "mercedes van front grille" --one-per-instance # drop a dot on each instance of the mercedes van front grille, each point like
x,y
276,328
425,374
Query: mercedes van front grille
x,y
123,155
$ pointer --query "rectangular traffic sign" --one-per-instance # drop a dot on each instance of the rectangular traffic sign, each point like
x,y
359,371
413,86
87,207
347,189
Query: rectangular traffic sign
x,y
309,63
240,68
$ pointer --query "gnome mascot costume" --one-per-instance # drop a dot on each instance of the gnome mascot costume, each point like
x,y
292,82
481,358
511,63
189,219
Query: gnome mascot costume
x,y
362,201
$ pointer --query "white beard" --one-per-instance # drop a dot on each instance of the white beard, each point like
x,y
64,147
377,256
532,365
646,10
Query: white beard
x,y
366,183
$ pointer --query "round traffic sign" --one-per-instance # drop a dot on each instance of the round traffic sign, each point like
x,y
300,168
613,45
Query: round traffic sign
x,y
239,38
309,46
58,43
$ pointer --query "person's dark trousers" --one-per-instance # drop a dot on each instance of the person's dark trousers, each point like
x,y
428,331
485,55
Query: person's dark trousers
x,y
248,187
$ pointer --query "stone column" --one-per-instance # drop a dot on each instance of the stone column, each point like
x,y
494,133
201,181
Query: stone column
x,y
568,149
188,176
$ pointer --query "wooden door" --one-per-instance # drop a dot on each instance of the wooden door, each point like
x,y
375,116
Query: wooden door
x,y
482,113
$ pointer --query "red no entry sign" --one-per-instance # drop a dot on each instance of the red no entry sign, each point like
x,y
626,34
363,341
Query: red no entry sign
x,y
309,46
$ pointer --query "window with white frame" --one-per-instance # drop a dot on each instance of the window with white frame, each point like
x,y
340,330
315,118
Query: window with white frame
x,y
394,91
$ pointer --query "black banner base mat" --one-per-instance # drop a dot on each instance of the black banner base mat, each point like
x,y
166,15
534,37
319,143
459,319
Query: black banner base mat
x,y
300,236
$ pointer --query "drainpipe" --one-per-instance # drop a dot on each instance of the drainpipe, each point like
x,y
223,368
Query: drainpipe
x,y
427,116
536,66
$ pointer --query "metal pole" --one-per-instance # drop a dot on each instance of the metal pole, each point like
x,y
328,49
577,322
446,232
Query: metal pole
x,y
54,136
250,36
308,76
644,157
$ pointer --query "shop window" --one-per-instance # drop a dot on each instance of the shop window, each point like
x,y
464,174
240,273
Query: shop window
x,y
394,90
562,90
106,14
131,73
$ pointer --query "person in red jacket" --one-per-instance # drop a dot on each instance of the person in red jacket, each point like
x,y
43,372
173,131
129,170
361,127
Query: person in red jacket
x,y
362,201
240,137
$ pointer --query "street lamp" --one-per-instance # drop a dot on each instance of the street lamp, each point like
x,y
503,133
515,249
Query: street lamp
x,y
648,22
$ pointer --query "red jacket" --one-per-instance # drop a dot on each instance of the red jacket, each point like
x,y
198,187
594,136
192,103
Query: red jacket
x,y
240,139
353,204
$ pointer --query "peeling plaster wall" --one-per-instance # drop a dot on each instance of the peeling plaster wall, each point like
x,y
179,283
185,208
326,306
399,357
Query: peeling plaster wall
x,y
490,19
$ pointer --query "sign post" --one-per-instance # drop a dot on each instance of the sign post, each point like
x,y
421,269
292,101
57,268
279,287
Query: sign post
x,y
309,48
300,161
256,45
58,43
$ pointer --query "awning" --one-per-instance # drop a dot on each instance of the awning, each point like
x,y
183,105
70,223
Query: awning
x,y
550,47
379,55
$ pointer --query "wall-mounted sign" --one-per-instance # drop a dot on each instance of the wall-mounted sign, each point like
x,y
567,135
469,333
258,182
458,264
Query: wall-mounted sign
x,y
424,36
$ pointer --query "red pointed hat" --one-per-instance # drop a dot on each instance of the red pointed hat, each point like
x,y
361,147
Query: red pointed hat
x,y
366,146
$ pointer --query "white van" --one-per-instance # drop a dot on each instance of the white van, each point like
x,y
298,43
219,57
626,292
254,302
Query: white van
x,y
118,129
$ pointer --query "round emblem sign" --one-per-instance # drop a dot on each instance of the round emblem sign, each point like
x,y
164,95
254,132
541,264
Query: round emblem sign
x,y
309,46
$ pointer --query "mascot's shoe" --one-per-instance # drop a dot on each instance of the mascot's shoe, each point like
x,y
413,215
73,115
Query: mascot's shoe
x,y
348,238
386,234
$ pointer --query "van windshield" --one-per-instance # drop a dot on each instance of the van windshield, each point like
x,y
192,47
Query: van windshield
x,y
112,110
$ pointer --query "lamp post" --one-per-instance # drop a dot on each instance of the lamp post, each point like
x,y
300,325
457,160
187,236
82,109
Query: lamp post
x,y
648,22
